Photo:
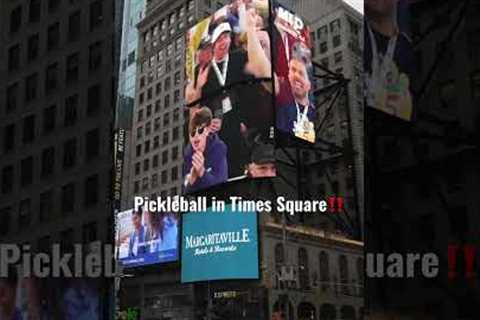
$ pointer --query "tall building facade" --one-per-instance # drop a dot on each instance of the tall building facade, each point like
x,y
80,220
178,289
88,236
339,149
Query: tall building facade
x,y
337,37
133,12
56,62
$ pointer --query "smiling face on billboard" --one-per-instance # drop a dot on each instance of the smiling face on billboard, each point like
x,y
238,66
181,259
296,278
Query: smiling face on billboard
x,y
229,72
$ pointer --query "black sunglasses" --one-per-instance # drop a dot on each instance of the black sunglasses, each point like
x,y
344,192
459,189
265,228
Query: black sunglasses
x,y
197,130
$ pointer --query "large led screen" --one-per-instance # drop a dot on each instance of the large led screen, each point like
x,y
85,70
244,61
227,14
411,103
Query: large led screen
x,y
144,238
294,104
388,58
229,92
25,298
218,246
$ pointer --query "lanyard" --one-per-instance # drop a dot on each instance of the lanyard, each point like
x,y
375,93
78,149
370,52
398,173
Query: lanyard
x,y
287,51
221,77
301,116
380,65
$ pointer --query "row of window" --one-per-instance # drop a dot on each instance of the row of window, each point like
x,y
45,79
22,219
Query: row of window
x,y
167,85
49,205
96,16
52,77
157,124
156,141
145,184
162,25
48,159
50,121
324,267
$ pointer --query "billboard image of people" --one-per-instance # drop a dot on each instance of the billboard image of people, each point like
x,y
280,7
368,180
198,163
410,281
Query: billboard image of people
x,y
24,298
294,105
388,58
145,238
228,94
219,246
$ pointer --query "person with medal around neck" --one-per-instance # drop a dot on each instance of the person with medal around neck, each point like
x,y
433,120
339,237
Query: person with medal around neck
x,y
297,117
388,60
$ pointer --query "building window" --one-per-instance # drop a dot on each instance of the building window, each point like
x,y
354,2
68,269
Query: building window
x,y
164,177
475,82
12,96
303,272
174,153
92,144
6,218
14,58
46,205
148,128
94,96
89,232
136,186
139,133
156,142
155,161
53,36
147,146
166,102
95,56
338,57
154,180
28,129
174,173
8,138
91,190
72,68
26,171
48,162
164,157
336,41
335,26
324,270
138,151
145,183
15,19
33,47
146,165
96,14
49,118
165,138
166,119
7,179
24,213
137,168
74,26
53,5
31,87
323,47
343,264
71,106
69,153
176,133
51,80
177,78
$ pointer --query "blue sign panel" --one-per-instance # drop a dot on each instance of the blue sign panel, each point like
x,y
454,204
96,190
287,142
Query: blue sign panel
x,y
218,246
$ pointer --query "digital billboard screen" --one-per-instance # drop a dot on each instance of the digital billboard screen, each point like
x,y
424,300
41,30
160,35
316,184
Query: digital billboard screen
x,y
219,246
26,298
144,238
229,95
389,61
294,101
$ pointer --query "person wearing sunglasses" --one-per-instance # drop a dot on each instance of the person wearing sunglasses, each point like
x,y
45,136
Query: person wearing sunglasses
x,y
205,156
